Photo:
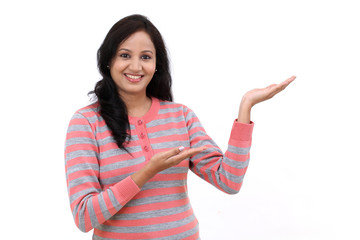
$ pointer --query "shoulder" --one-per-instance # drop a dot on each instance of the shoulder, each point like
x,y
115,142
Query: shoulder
x,y
167,106
90,113
91,109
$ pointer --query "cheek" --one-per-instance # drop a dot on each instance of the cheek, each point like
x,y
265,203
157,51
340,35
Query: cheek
x,y
116,69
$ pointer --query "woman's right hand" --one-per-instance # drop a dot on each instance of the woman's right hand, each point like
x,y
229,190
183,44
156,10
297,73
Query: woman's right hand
x,y
162,161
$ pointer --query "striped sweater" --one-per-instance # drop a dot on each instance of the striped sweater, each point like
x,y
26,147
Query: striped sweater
x,y
104,197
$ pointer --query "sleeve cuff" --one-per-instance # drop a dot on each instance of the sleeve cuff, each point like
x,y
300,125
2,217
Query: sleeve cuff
x,y
125,190
241,131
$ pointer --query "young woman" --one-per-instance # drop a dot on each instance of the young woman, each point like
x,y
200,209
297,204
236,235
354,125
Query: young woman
x,y
128,154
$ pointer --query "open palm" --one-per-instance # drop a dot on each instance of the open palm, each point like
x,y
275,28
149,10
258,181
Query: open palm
x,y
262,94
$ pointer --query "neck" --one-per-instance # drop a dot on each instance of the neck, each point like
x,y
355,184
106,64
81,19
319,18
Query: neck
x,y
137,106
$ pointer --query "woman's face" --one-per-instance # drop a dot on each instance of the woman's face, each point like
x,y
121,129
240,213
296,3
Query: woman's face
x,y
134,64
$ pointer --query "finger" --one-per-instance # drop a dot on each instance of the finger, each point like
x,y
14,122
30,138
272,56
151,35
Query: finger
x,y
193,151
185,154
172,152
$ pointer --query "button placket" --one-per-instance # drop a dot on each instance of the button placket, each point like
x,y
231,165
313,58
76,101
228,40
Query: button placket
x,y
143,139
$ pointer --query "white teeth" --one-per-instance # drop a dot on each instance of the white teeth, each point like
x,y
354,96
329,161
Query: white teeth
x,y
133,77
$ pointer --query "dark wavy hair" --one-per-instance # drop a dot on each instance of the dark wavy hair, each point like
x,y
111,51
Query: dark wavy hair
x,y
111,107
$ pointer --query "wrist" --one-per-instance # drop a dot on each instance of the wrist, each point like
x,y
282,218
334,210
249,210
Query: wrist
x,y
246,103
149,171
244,111
143,175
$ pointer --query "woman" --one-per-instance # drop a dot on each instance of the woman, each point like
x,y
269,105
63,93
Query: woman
x,y
128,154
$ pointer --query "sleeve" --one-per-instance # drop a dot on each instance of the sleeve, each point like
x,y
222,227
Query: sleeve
x,y
224,171
90,204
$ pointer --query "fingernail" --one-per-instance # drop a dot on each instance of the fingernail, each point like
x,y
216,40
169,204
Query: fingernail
x,y
181,148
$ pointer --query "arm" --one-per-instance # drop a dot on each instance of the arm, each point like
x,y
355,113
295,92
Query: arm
x,y
90,205
226,171
255,96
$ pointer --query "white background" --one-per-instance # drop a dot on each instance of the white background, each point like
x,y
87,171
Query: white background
x,y
303,179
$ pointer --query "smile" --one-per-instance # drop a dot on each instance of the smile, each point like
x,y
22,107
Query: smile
x,y
133,78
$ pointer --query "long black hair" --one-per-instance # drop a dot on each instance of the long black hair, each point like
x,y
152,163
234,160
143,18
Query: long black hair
x,y
112,107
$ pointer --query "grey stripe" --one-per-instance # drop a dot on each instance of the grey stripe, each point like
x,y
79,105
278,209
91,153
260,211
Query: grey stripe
x,y
118,178
198,134
202,154
172,237
174,170
208,172
80,140
165,121
104,141
156,199
82,218
94,119
76,208
122,164
110,139
77,181
91,210
153,213
237,164
81,128
112,180
168,132
101,129
230,176
227,189
80,153
83,193
163,184
238,150
103,206
163,103
148,228
170,110
181,235
113,200
93,109
194,125
190,115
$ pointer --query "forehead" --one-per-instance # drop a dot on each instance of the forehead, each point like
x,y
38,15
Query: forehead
x,y
138,41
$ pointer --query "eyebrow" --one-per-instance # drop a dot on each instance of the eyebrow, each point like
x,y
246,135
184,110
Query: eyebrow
x,y
128,50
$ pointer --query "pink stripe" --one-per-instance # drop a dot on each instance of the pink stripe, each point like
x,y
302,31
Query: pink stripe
x,y
163,233
170,138
159,192
234,171
237,157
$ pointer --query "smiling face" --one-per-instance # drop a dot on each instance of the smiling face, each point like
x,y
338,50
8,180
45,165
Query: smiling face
x,y
134,64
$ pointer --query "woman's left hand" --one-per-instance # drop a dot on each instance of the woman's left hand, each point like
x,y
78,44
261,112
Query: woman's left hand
x,y
258,95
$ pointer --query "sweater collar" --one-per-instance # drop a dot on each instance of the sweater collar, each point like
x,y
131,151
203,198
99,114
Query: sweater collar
x,y
150,115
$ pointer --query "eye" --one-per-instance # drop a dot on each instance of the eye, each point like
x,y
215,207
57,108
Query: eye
x,y
124,55
145,57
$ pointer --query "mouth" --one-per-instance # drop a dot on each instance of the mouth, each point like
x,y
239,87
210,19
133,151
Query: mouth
x,y
133,77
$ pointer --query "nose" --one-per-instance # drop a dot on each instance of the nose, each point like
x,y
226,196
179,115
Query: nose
x,y
135,65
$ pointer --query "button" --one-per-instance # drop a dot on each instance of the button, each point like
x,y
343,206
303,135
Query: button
x,y
146,148
140,122
142,135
